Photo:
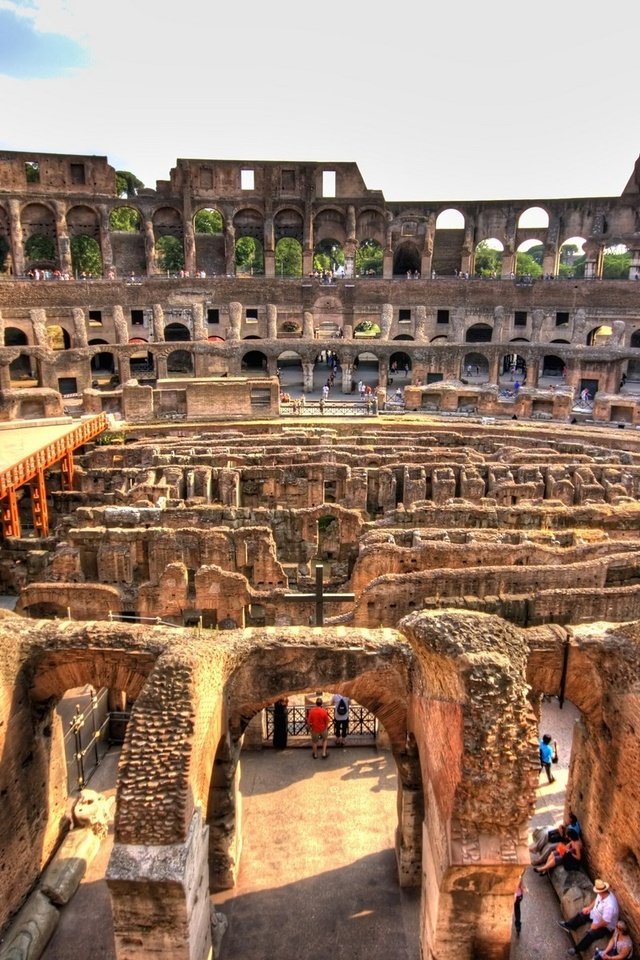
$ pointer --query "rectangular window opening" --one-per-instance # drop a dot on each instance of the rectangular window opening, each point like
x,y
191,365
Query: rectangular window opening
x,y
32,171
95,318
520,318
288,181
562,318
328,183
78,175
442,316
213,315
260,397
251,314
137,317
247,180
404,316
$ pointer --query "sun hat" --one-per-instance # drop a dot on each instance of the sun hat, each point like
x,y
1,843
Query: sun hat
x,y
600,886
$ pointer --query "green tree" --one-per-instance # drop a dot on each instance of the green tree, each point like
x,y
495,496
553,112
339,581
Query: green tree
x,y
369,258
536,253
39,247
328,255
616,265
525,264
170,254
85,256
249,258
126,219
127,183
32,171
208,221
288,258
488,261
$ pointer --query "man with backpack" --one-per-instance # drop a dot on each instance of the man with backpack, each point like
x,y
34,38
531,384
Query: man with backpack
x,y
340,718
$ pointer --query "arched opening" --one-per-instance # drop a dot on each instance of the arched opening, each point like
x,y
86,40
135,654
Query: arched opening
x,y
367,329
176,332
20,369
5,245
38,222
366,370
488,258
475,368
255,362
369,259
170,254
513,367
208,226
533,218
448,243
141,362
571,257
180,362
479,333
103,364
86,257
529,259
328,258
553,368
40,251
404,336
249,257
15,338
125,219
616,262
290,373
208,221
599,336
288,257
58,337
406,260
400,364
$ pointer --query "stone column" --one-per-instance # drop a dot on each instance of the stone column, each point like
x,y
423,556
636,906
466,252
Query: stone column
x,y
269,248
494,369
594,258
351,244
189,235
533,371
160,898
79,327
62,236
235,320
307,241
347,377
421,323
308,331
158,323
161,367
39,325
120,325
105,240
386,320
634,266
15,232
150,247
230,248
272,321
466,261
199,326
426,260
5,377
124,368
307,377
387,257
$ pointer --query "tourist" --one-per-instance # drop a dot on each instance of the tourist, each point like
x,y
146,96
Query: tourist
x,y
603,914
340,718
552,835
568,855
361,389
518,895
620,946
280,724
318,723
548,749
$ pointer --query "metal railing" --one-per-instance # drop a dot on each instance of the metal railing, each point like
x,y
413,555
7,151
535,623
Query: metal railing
x,y
86,742
362,722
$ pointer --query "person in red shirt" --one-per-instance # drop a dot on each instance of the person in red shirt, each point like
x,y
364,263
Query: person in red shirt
x,y
318,722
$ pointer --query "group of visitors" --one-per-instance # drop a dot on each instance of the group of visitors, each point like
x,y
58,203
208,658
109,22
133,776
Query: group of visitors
x,y
318,722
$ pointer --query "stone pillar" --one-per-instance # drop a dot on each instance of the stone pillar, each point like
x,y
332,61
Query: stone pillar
x,y
387,257
160,898
79,328
307,377
62,236
347,377
307,241
5,377
308,331
351,243
533,371
235,320
150,247
161,367
230,248
124,368
120,325
494,369
158,323
509,262
386,320
634,266
39,325
594,259
15,233
199,326
272,321
105,240
383,375
467,258
189,238
269,248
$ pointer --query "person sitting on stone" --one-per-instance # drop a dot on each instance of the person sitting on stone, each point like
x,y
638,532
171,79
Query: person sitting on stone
x,y
568,855
602,913
620,946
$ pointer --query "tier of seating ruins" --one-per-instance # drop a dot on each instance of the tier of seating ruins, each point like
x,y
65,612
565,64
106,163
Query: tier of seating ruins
x,y
488,535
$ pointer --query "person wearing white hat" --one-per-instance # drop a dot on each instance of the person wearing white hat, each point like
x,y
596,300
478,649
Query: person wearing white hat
x,y
603,914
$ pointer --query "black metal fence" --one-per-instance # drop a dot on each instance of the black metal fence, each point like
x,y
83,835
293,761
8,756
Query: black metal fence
x,y
86,740
362,723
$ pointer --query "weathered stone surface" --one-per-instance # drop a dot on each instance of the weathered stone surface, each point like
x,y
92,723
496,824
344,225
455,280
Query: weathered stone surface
x,y
31,930
63,875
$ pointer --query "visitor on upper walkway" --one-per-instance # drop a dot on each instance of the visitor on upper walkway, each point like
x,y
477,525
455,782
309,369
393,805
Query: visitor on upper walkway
x,y
340,718
318,722
547,751
602,914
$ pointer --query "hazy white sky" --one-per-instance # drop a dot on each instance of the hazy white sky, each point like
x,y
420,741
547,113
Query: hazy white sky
x,y
444,100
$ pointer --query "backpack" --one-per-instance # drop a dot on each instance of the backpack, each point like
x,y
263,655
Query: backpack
x,y
341,708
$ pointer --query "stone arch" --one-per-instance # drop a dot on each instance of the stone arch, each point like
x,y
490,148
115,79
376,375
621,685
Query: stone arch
x,y
404,336
535,217
329,223
371,226
288,257
83,221
479,333
552,365
475,366
167,222
69,597
291,370
102,361
401,360
487,258
38,218
571,257
58,337
181,362
177,332
599,336
125,218
370,258
512,366
406,259
288,222
208,220
255,361
328,255
448,242
14,337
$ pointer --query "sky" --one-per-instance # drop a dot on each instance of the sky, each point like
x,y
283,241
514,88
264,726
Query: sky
x,y
433,100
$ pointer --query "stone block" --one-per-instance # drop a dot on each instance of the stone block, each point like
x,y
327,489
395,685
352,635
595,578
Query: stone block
x,y
63,875
31,930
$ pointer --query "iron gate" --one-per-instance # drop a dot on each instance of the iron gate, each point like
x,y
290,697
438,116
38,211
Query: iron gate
x,y
362,723
86,740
